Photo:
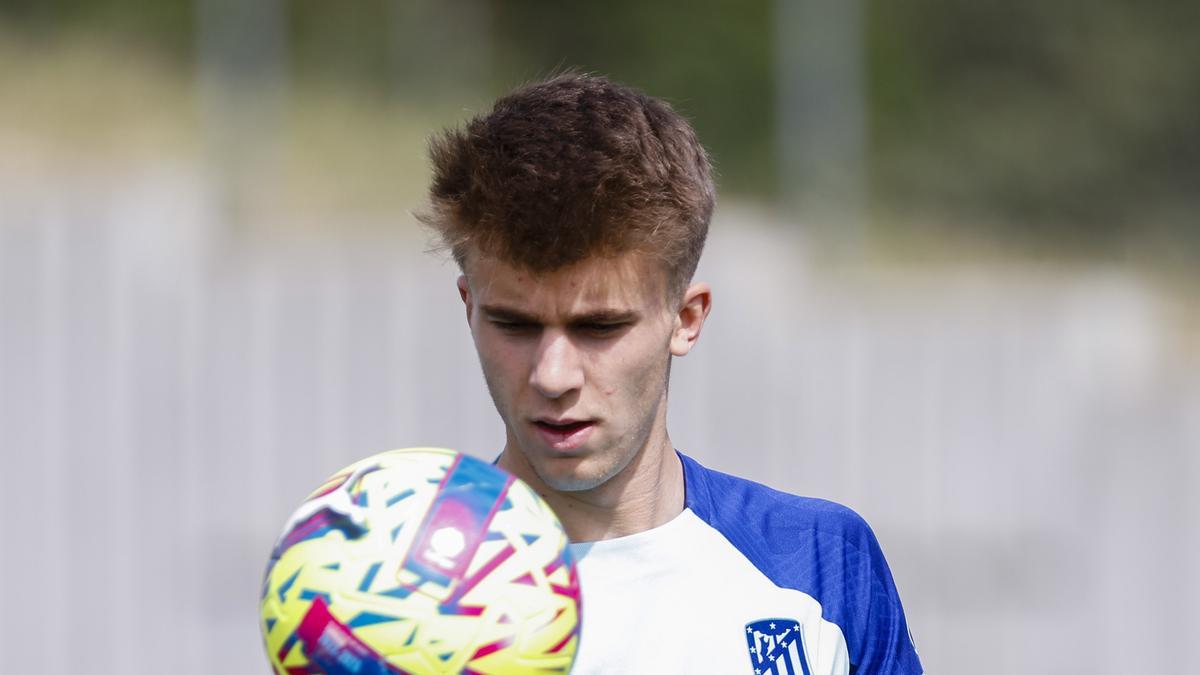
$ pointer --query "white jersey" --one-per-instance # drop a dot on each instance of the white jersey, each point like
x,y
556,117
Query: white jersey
x,y
746,580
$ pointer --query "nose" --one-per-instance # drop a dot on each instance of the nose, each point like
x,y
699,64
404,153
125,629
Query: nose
x,y
556,368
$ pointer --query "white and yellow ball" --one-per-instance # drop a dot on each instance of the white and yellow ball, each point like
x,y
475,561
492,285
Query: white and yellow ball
x,y
420,561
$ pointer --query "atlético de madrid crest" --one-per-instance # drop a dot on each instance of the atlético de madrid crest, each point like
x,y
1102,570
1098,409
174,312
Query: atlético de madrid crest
x,y
776,647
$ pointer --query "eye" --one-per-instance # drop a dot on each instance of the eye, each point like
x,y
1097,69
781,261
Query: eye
x,y
603,329
512,326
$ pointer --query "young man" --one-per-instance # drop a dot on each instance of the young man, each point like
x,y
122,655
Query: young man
x,y
577,210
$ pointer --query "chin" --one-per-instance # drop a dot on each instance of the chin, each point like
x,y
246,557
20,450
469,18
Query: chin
x,y
570,483
571,476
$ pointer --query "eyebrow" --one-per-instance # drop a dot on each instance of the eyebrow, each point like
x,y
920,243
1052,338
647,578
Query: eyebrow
x,y
598,316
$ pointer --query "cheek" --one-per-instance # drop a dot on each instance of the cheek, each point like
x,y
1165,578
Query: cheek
x,y
500,364
637,380
499,368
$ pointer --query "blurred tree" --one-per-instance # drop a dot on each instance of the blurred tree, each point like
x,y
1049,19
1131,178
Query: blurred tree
x,y
712,59
1051,119
166,26
1054,119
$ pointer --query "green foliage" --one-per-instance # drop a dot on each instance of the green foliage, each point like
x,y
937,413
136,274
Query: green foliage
x,y
165,26
712,59
1059,118
1066,120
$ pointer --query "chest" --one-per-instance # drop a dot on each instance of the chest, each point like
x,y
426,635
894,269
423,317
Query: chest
x,y
704,609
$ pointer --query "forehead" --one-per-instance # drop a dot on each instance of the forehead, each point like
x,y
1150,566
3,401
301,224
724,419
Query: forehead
x,y
629,282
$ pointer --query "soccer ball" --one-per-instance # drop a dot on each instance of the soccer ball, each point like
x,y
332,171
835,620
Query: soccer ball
x,y
420,561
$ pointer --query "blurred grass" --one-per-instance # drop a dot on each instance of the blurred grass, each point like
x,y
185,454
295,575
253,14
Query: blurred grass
x,y
82,97
85,103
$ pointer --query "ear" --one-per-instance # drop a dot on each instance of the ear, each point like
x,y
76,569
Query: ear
x,y
693,310
464,292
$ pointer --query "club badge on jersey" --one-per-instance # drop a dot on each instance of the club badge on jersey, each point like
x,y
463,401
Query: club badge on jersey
x,y
776,647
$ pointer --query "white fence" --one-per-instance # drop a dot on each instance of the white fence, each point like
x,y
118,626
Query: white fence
x,y
1024,440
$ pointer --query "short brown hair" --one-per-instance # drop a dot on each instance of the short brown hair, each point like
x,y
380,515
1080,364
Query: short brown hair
x,y
572,167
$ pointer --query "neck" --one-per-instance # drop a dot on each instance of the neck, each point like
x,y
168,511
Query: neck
x,y
647,493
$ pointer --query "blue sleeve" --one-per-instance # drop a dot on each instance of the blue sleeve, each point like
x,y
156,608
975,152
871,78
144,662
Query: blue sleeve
x,y
878,635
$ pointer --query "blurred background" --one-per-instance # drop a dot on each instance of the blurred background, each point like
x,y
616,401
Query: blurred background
x,y
955,264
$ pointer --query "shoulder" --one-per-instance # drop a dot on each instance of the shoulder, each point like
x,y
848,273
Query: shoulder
x,y
815,546
768,519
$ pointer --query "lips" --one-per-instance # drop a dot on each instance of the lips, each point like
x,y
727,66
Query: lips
x,y
564,434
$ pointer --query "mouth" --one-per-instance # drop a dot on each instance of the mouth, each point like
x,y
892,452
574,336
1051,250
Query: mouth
x,y
564,434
